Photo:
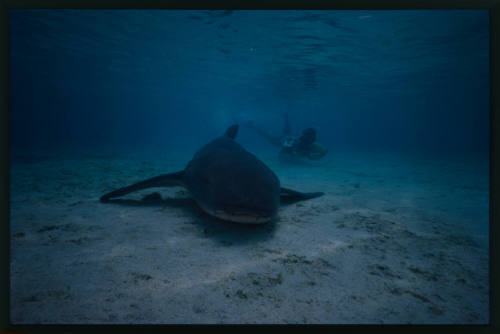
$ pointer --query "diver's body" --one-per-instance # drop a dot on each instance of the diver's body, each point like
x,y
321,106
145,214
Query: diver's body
x,y
304,145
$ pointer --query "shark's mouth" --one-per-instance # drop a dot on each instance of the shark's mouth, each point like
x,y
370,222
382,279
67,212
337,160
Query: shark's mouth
x,y
236,216
244,218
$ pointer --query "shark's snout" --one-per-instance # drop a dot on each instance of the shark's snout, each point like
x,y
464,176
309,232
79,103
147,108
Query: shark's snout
x,y
252,205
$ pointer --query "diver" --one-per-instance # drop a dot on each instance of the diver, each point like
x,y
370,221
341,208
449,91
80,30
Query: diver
x,y
304,145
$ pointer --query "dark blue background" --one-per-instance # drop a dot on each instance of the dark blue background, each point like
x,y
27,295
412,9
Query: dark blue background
x,y
368,80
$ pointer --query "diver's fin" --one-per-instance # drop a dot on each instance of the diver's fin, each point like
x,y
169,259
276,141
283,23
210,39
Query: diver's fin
x,y
232,131
289,195
165,180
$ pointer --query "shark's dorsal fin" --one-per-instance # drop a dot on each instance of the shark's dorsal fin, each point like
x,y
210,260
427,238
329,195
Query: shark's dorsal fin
x,y
232,131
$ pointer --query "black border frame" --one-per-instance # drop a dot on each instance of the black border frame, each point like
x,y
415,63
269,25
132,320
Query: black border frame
x,y
492,5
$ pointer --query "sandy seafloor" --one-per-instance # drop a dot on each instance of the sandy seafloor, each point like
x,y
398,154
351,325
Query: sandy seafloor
x,y
395,239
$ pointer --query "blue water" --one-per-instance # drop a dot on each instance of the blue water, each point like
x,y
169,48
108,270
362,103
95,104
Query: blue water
x,y
367,80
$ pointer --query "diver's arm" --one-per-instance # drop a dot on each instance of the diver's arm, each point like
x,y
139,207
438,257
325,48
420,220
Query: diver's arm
x,y
273,140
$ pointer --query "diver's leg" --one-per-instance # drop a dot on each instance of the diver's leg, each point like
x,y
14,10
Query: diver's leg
x,y
316,151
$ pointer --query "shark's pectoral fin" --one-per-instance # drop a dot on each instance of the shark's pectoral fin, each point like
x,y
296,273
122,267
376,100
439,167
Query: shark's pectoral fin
x,y
289,195
166,180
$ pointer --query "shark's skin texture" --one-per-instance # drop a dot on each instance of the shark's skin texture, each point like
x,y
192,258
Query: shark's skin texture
x,y
227,182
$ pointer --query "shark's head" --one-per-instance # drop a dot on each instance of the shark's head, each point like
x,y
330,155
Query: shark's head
x,y
243,193
230,183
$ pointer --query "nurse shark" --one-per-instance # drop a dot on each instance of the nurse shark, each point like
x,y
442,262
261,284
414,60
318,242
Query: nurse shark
x,y
227,182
